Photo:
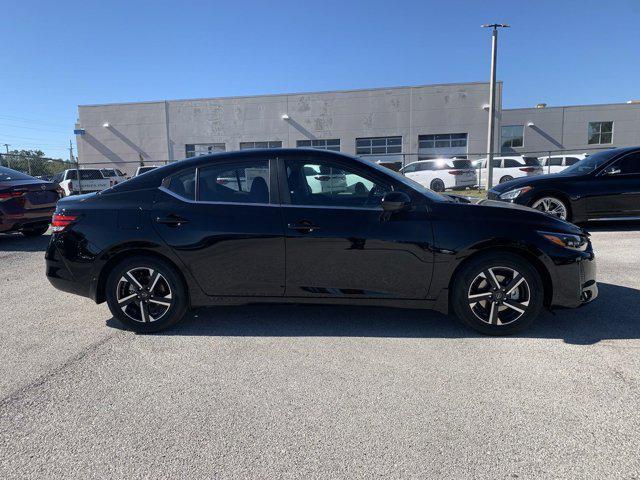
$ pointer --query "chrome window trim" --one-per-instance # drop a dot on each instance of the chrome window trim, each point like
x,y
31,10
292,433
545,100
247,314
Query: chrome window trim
x,y
329,207
204,202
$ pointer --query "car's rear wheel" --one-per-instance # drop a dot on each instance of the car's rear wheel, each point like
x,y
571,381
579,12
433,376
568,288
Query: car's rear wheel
x,y
34,231
506,178
497,294
146,294
437,185
552,206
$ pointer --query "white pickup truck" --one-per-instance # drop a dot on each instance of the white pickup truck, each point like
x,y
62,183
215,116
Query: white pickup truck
x,y
91,180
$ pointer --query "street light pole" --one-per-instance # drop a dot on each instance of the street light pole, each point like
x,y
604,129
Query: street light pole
x,y
492,99
6,146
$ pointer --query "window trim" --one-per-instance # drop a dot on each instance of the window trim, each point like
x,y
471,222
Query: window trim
x,y
600,122
285,198
386,145
274,200
502,146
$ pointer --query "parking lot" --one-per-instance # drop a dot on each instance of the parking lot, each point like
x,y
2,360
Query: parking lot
x,y
318,392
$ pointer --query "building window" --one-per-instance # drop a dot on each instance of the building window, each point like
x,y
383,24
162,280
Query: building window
x,y
332,144
600,132
378,145
443,140
197,149
272,144
512,136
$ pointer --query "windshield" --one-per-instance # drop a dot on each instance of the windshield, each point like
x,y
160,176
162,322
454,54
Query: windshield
x,y
590,163
7,175
407,181
531,161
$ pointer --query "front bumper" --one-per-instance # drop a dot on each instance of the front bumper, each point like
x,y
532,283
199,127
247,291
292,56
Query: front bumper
x,y
575,283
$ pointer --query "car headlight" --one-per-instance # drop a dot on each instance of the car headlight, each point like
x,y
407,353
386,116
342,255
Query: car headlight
x,y
567,240
515,193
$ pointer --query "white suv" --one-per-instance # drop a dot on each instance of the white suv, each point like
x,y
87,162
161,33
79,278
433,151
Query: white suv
x,y
442,173
557,163
508,168
91,180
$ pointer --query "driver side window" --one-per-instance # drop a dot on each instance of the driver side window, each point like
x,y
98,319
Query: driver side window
x,y
319,182
628,165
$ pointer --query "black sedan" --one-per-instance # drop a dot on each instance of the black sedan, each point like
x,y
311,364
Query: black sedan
x,y
309,226
26,203
603,186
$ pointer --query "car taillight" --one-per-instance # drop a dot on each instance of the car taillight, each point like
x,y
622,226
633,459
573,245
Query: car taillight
x,y
60,222
112,182
13,194
456,172
528,169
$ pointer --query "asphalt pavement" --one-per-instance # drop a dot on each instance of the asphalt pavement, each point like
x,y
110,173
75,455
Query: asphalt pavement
x,y
318,392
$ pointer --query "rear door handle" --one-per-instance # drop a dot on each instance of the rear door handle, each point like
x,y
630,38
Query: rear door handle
x,y
304,226
172,220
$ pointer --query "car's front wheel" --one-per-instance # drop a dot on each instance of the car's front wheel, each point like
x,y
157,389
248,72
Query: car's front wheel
x,y
497,294
146,294
552,206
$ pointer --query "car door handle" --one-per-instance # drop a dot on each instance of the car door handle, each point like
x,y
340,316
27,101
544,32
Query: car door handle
x,y
172,220
303,226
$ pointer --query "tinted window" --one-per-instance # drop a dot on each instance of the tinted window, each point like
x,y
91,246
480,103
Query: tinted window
x,y
591,163
334,185
629,164
555,161
246,182
571,160
531,161
108,172
511,163
465,164
84,175
183,184
6,175
410,168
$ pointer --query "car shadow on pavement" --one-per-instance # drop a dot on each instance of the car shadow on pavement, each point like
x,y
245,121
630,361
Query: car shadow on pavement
x,y
16,242
612,316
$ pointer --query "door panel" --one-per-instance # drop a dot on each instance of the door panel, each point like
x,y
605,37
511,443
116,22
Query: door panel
x,y
618,194
230,248
339,250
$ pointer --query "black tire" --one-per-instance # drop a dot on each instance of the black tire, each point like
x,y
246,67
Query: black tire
x,y
437,185
506,178
34,231
528,293
133,316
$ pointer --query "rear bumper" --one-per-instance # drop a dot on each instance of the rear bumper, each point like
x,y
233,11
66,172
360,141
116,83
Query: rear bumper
x,y
58,272
18,221
575,283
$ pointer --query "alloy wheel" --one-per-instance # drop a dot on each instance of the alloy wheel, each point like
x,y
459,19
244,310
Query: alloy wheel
x,y
551,206
499,295
144,295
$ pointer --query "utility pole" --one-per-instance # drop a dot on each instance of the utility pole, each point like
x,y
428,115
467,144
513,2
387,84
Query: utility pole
x,y
6,146
492,99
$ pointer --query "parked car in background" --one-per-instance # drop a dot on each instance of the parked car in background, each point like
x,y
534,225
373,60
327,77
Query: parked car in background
x,y
176,238
557,163
605,185
508,168
394,165
442,173
141,170
26,203
91,180
116,176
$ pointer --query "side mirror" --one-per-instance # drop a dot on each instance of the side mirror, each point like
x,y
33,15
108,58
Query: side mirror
x,y
395,202
612,171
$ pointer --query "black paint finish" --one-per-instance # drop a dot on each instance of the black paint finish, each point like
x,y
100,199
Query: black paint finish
x,y
590,193
233,253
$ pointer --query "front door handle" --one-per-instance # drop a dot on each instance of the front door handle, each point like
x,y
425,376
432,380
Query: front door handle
x,y
303,226
172,220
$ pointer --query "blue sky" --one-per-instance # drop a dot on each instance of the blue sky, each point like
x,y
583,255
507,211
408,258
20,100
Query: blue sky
x,y
58,54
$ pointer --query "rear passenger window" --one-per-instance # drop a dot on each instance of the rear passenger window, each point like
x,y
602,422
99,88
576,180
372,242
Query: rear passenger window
x,y
571,160
246,182
556,162
183,184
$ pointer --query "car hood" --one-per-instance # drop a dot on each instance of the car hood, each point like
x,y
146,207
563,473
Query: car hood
x,y
512,212
547,179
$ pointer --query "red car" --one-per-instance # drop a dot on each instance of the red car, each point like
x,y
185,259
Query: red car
x,y
26,203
